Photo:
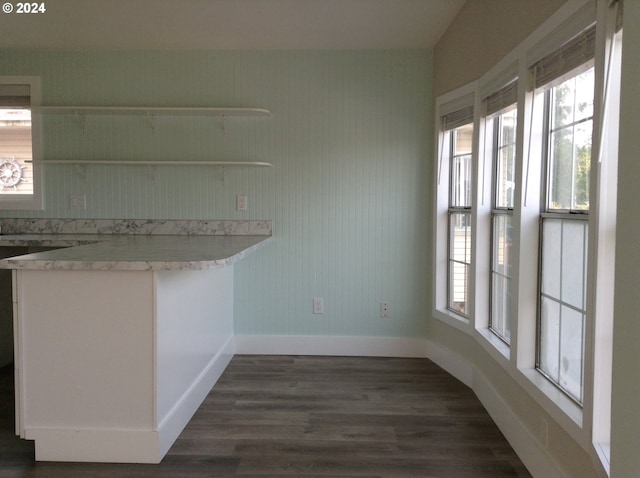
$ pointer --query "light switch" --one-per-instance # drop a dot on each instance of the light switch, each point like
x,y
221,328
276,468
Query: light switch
x,y
241,203
78,202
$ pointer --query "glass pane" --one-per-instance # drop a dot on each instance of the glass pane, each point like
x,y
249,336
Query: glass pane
x,y
508,127
505,170
502,255
460,167
570,140
463,139
571,351
583,89
16,175
549,338
458,287
561,169
573,100
460,237
461,181
574,237
562,104
551,255
459,260
500,306
582,166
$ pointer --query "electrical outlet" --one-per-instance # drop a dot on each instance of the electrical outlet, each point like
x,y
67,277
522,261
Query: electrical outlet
x,y
318,305
385,310
78,202
241,203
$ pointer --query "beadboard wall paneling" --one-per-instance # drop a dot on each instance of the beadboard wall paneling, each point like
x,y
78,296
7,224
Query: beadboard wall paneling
x,y
350,139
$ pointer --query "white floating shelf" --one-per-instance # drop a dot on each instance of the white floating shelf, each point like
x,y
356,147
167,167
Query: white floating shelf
x,y
154,110
153,163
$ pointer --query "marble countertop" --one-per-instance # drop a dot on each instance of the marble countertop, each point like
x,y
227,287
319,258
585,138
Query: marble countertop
x,y
50,240
130,252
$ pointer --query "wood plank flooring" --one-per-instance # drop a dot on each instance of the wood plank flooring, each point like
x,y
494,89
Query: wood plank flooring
x,y
304,416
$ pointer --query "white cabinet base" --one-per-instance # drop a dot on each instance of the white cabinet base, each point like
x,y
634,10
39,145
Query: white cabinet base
x,y
128,446
111,365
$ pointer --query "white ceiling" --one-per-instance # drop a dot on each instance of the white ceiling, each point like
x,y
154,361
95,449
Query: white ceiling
x,y
228,24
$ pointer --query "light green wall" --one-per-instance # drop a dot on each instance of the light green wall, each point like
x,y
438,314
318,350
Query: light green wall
x,y
350,139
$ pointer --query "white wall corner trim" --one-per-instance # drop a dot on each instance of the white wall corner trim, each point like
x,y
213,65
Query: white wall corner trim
x,y
331,346
453,364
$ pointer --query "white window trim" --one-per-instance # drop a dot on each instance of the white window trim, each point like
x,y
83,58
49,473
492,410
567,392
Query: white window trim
x,y
456,100
496,78
29,201
491,176
602,234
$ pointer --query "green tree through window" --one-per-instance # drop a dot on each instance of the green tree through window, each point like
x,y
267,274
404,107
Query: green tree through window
x,y
571,128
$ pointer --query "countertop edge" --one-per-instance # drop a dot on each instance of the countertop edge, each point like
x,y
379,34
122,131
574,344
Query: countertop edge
x,y
25,263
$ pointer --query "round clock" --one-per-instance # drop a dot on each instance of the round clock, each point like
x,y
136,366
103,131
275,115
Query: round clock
x,y
10,173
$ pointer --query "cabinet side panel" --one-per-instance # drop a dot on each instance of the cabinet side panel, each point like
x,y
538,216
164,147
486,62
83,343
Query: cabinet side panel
x,y
87,345
6,306
194,325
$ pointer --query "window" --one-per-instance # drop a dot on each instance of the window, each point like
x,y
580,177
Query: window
x,y
454,201
500,149
504,158
459,218
19,145
564,218
571,126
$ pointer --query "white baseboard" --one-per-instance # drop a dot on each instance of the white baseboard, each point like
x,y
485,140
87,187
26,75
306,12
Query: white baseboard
x,y
533,455
95,445
331,346
531,452
459,368
131,445
172,425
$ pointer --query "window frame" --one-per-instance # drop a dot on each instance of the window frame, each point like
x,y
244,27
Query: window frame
x,y
450,104
547,214
497,210
463,210
35,200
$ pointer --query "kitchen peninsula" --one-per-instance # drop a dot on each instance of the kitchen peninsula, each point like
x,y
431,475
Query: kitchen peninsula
x,y
121,332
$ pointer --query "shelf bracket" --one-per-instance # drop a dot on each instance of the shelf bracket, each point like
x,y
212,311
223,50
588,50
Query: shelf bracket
x,y
153,172
151,117
81,170
223,117
82,119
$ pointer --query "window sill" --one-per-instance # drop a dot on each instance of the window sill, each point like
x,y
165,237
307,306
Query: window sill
x,y
561,408
499,350
603,450
454,320
21,203
564,411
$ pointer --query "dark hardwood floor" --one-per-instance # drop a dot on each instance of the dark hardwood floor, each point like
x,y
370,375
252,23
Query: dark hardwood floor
x,y
275,416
